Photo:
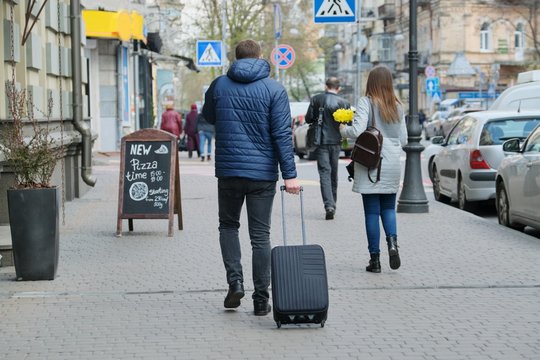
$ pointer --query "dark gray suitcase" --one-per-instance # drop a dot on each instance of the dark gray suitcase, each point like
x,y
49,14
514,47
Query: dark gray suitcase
x,y
299,281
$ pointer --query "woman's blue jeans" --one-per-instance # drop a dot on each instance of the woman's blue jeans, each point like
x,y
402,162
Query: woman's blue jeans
x,y
205,136
259,198
379,206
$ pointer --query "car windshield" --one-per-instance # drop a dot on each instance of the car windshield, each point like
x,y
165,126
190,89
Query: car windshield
x,y
497,131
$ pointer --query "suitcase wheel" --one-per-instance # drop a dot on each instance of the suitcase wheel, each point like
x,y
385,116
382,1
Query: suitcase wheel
x,y
278,323
322,323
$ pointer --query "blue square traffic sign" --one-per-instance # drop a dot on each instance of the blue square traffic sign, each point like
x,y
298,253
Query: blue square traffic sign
x,y
209,53
432,85
334,11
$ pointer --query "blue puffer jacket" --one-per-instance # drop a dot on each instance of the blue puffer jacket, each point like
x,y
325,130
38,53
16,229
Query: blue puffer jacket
x,y
253,123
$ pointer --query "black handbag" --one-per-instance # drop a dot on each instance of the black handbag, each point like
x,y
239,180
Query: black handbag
x,y
182,143
314,133
350,170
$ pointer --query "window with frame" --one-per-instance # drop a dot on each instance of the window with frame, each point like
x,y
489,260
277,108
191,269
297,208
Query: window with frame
x,y
385,48
484,37
533,144
519,37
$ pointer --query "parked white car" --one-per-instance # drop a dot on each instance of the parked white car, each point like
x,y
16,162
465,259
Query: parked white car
x,y
524,96
433,125
454,116
518,183
464,169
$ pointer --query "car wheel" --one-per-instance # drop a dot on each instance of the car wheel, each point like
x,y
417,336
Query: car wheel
x,y
503,209
430,168
463,203
437,188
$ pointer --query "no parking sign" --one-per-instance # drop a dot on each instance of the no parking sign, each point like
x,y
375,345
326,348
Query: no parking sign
x,y
283,55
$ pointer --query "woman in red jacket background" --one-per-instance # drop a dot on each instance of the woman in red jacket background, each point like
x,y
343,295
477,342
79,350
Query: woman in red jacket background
x,y
171,121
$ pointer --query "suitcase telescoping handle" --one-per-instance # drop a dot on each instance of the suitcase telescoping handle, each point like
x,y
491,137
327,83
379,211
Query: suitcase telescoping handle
x,y
282,188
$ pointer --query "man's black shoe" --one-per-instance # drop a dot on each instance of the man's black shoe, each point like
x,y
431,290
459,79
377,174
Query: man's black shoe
x,y
236,292
261,308
330,214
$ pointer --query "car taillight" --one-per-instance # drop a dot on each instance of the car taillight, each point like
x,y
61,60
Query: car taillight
x,y
477,161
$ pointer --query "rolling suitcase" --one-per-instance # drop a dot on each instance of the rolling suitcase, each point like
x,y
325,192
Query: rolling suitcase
x,y
299,282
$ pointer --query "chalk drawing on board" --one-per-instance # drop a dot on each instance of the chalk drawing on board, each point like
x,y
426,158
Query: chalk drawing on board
x,y
138,191
162,150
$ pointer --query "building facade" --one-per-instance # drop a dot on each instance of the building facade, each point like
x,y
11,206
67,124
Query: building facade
x,y
476,47
38,52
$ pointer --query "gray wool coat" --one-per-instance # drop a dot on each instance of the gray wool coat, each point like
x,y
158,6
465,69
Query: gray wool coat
x,y
394,138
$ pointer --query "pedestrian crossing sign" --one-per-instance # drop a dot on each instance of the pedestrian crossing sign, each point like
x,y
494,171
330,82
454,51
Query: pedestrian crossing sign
x,y
334,11
209,53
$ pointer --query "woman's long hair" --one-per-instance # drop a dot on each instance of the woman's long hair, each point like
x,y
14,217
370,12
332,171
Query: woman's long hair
x,y
381,91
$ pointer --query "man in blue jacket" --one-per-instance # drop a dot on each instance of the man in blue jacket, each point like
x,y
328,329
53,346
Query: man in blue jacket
x,y
252,121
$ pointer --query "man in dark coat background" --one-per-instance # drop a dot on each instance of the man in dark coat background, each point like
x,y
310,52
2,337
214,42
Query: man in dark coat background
x,y
252,121
328,153
191,131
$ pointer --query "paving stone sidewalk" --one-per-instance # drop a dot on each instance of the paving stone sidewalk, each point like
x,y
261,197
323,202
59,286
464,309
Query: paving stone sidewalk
x,y
467,288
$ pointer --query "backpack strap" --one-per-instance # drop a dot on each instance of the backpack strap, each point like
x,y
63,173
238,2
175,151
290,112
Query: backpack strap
x,y
378,173
371,113
372,116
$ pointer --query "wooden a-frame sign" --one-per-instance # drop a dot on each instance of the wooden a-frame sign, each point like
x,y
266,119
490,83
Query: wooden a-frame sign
x,y
149,185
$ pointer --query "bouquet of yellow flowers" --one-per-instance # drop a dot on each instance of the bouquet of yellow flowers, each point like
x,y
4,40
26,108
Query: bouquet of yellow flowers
x,y
343,115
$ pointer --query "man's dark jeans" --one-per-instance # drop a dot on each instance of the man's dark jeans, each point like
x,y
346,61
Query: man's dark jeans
x,y
259,197
327,164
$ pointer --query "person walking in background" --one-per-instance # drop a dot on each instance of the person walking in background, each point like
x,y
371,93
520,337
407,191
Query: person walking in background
x,y
421,118
379,198
252,121
206,133
191,131
328,153
171,121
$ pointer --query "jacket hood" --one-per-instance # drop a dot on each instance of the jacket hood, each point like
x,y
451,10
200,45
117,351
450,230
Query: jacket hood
x,y
249,70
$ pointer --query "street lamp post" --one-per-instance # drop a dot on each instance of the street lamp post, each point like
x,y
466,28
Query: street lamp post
x,y
358,77
413,197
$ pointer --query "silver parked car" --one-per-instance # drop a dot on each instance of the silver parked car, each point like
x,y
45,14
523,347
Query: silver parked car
x,y
454,116
518,183
465,167
433,125
300,143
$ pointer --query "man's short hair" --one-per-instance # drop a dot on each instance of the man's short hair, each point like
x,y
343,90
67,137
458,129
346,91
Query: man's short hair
x,y
332,83
248,49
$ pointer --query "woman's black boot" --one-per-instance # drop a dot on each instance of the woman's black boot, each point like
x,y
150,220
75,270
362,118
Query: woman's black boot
x,y
393,252
374,264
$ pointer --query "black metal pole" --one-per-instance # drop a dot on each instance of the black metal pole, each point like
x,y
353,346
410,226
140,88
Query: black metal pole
x,y
413,197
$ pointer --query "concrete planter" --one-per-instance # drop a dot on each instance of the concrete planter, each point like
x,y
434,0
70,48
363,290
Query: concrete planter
x,y
34,221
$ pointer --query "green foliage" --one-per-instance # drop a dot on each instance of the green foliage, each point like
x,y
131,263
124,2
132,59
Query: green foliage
x,y
32,157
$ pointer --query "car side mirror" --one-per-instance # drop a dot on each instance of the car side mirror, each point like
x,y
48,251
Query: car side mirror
x,y
437,140
512,145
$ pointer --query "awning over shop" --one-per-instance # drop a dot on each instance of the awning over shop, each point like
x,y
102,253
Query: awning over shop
x,y
114,25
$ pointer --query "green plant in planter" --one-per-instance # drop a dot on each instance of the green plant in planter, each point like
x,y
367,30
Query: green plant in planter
x,y
33,203
33,157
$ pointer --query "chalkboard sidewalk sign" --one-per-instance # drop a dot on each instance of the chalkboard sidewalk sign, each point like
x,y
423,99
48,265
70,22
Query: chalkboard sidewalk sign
x,y
149,185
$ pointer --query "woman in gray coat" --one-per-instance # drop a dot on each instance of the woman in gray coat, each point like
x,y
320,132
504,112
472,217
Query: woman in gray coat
x,y
379,198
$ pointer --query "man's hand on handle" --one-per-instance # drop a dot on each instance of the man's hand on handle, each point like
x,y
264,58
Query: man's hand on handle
x,y
292,186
